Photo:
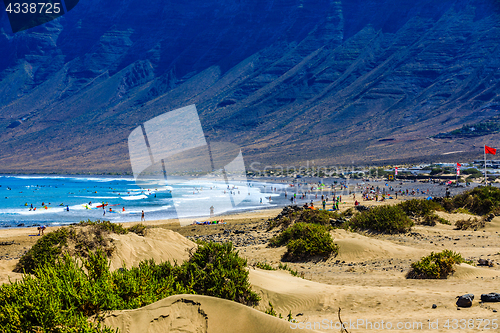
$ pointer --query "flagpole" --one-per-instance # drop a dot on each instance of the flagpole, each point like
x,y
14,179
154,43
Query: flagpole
x,y
485,179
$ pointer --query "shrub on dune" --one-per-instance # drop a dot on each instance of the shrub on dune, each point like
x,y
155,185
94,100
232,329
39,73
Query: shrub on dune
x,y
305,240
62,294
435,266
385,219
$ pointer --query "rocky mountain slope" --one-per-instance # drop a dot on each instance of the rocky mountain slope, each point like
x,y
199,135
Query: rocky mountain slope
x,y
334,81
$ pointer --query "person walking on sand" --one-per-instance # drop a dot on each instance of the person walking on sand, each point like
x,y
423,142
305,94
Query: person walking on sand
x,y
142,217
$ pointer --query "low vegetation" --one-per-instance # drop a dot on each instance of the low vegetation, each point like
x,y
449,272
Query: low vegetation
x,y
273,313
305,240
471,223
291,215
384,219
265,266
76,240
62,295
139,229
480,201
420,207
285,267
422,211
472,173
435,266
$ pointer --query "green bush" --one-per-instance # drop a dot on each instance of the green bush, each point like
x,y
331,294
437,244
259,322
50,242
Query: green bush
x,y
76,240
436,171
419,207
462,210
385,219
473,173
323,217
139,229
480,200
105,226
422,211
305,240
435,266
45,251
264,265
318,216
217,270
64,294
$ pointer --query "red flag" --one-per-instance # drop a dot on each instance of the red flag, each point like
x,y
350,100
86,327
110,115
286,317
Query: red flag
x,y
458,169
459,165
489,150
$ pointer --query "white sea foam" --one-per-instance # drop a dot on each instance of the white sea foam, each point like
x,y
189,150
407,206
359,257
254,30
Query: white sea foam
x,y
135,197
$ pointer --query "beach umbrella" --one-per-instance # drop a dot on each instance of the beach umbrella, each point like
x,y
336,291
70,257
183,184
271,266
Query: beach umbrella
x,y
429,198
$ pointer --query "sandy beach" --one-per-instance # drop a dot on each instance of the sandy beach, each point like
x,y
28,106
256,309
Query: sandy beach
x,y
366,279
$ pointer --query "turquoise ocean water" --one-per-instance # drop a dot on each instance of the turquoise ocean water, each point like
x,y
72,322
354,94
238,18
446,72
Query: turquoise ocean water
x,y
63,200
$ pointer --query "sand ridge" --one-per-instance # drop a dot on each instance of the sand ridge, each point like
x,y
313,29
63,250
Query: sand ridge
x,y
367,280
158,244
197,314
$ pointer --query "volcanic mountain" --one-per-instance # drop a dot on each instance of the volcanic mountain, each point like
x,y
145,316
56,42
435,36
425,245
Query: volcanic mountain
x,y
289,81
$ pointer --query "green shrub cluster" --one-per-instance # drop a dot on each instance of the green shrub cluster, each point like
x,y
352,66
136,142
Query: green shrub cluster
x,y
305,240
422,211
480,200
45,251
435,266
419,207
105,226
64,294
385,219
139,229
285,219
472,173
322,217
77,240
217,270
264,265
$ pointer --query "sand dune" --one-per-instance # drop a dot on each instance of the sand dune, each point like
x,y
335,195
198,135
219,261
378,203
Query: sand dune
x,y
493,225
6,267
464,271
197,314
356,247
373,289
158,244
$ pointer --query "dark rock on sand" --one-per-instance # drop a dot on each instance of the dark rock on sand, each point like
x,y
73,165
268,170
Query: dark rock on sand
x,y
491,297
465,301
485,262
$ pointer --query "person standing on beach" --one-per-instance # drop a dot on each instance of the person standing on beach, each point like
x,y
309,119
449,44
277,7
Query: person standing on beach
x,y
142,217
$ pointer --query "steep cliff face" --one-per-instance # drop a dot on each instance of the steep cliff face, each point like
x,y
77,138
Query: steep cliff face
x,y
288,80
